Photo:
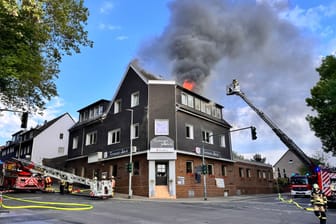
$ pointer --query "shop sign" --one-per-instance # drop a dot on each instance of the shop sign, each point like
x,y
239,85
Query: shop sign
x,y
162,144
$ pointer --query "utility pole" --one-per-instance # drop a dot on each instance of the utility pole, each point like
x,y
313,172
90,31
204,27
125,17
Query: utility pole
x,y
130,165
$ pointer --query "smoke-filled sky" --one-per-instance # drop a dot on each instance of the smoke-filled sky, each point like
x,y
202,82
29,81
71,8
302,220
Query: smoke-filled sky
x,y
271,47
214,42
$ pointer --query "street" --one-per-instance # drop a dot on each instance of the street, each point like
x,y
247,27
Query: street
x,y
263,209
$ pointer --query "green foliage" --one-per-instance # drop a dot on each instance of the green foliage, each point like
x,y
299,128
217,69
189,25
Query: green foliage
x,y
258,158
323,102
34,36
281,185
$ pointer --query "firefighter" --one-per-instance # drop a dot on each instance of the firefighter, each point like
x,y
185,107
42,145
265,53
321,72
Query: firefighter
x,y
319,201
48,183
62,186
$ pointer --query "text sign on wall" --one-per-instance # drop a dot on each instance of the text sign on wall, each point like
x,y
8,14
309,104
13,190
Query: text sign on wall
x,y
162,144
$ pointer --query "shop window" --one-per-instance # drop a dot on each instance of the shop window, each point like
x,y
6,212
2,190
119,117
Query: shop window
x,y
248,173
210,169
136,168
189,167
224,170
241,172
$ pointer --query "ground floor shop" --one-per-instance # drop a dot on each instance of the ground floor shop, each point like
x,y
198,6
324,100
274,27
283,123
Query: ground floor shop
x,y
177,174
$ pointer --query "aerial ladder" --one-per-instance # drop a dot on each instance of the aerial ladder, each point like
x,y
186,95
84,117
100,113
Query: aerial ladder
x,y
234,89
98,188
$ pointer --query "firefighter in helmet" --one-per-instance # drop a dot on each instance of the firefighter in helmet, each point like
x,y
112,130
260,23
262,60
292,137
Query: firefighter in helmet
x,y
319,201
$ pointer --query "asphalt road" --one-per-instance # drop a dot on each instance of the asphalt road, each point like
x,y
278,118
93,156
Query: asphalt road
x,y
258,209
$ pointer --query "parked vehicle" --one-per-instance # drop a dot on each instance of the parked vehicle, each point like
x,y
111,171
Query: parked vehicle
x,y
14,175
300,185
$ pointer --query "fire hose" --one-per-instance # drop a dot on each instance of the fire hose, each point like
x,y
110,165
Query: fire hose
x,y
291,201
45,205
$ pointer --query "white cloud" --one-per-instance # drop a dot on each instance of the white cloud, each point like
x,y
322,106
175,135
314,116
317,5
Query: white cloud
x,y
10,122
121,38
104,26
106,7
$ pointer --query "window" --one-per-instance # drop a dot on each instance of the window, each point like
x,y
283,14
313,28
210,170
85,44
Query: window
x,y
189,131
135,99
91,138
222,141
113,137
190,101
207,136
61,136
208,109
259,173
61,150
75,143
100,109
224,171
248,173
136,168
117,106
210,169
113,170
241,172
189,167
197,104
135,131
264,175
184,99
203,106
91,115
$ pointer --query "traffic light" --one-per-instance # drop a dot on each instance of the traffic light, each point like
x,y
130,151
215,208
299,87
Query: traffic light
x,y
204,169
254,133
24,120
130,167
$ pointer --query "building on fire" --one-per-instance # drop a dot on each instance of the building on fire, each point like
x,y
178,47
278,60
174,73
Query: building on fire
x,y
165,130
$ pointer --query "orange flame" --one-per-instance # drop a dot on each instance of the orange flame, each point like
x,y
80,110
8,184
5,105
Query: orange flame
x,y
188,84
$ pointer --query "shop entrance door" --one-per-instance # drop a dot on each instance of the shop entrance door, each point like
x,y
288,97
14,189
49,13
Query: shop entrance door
x,y
161,173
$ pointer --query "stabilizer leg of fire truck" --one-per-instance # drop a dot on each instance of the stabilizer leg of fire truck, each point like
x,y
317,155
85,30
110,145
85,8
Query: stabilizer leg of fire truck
x,y
98,188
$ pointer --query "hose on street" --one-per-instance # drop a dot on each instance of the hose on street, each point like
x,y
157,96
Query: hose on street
x,y
46,205
291,201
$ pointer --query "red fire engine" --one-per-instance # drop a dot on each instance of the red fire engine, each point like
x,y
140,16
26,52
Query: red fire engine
x,y
326,179
16,176
300,185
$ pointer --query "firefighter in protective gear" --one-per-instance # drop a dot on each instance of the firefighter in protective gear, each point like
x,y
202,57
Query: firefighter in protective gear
x,y
319,201
48,183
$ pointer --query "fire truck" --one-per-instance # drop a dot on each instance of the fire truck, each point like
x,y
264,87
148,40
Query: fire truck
x,y
14,175
300,185
97,188
326,179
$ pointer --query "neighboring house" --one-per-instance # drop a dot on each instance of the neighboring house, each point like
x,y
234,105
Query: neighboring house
x,y
49,140
289,164
165,130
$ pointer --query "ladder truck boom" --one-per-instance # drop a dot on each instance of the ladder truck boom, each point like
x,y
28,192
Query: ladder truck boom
x,y
234,89
102,188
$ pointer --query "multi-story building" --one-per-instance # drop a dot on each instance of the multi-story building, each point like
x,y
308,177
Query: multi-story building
x,y
166,131
48,140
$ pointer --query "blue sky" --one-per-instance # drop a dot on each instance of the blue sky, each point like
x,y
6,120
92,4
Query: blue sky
x,y
277,77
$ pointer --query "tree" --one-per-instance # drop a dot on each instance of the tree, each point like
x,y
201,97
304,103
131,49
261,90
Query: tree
x,y
34,36
258,158
323,102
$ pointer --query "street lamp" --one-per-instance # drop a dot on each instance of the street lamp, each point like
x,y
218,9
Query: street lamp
x,y
130,193
204,174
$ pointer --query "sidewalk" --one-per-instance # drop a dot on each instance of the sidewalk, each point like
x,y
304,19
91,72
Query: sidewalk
x,y
119,196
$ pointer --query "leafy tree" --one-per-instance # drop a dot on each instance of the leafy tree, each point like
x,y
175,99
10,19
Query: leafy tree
x,y
323,102
34,36
258,158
